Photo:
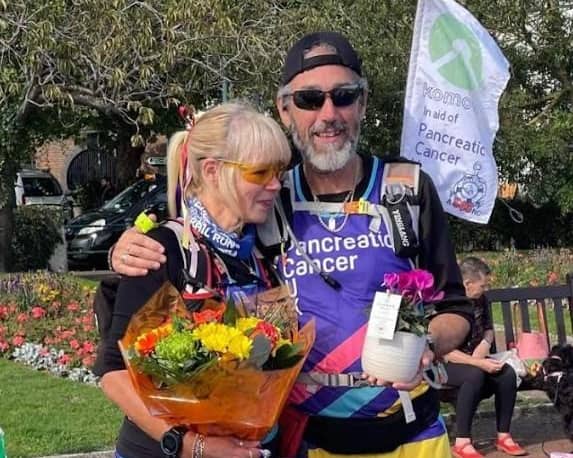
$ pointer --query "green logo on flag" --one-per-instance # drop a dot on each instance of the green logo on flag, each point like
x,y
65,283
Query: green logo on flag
x,y
455,52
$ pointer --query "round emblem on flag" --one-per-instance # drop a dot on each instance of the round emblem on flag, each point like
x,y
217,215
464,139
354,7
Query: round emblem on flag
x,y
456,53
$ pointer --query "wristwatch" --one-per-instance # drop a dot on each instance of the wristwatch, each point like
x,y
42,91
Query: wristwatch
x,y
172,441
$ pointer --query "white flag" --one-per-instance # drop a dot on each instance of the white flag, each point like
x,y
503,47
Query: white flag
x,y
457,75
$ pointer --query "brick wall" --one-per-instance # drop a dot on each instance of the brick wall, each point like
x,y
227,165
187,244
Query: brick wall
x,y
55,156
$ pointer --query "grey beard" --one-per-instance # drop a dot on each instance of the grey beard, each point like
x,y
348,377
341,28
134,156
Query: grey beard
x,y
329,161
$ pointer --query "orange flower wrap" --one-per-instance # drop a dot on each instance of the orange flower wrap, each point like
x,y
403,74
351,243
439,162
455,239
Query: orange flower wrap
x,y
225,399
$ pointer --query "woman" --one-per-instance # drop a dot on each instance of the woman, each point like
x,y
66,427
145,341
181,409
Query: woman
x,y
228,166
478,376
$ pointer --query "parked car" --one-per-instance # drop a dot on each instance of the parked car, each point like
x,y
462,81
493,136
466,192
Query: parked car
x,y
91,235
39,187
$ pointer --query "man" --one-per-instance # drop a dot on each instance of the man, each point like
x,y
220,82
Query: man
x,y
334,261
478,376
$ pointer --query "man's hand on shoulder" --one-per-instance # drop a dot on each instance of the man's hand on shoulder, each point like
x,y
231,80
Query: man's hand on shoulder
x,y
135,254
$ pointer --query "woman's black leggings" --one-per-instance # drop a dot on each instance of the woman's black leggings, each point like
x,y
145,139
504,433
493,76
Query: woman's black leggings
x,y
474,385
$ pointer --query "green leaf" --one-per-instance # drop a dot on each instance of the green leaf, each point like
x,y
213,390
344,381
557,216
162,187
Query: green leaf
x,y
230,316
260,351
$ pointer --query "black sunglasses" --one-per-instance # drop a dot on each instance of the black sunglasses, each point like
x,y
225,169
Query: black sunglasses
x,y
313,99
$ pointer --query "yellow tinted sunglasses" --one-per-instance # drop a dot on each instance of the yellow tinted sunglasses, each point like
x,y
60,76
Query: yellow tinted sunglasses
x,y
258,173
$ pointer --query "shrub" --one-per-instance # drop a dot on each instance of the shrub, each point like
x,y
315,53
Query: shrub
x,y
36,234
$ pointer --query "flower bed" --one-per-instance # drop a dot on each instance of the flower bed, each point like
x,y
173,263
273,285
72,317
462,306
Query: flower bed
x,y
46,321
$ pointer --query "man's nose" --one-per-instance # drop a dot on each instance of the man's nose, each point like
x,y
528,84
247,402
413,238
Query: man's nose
x,y
327,110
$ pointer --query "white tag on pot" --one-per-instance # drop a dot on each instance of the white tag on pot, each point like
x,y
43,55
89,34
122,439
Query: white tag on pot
x,y
406,401
384,315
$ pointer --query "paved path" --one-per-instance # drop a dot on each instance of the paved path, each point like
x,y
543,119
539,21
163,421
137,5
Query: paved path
x,y
531,427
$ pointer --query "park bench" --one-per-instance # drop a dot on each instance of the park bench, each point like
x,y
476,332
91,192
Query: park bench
x,y
555,298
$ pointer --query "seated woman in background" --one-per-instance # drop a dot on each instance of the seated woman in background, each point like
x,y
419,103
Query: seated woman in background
x,y
228,167
478,376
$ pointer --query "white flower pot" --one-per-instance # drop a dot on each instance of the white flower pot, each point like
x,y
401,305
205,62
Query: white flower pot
x,y
396,360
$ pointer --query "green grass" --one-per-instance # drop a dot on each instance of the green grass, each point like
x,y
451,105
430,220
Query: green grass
x,y
46,415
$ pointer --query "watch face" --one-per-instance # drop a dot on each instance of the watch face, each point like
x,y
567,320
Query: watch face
x,y
170,443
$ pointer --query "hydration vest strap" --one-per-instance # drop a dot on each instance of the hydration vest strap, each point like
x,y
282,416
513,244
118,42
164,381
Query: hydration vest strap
x,y
398,195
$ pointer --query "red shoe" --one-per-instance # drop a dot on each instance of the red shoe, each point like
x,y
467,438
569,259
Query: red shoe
x,y
458,452
511,449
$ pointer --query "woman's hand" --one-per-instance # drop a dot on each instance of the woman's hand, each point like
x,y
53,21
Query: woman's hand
x,y
219,446
491,366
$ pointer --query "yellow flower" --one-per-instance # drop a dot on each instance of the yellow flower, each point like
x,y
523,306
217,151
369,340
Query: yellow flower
x,y
244,324
240,346
215,336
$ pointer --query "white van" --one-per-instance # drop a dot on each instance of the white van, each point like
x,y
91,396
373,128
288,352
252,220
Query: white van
x,y
38,187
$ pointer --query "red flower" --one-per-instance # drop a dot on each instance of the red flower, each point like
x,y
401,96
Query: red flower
x,y
17,341
4,311
207,316
145,343
73,306
88,347
4,346
22,317
88,361
268,330
64,359
38,312
74,344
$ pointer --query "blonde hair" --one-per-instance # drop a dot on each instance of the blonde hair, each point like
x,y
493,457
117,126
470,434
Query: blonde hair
x,y
233,131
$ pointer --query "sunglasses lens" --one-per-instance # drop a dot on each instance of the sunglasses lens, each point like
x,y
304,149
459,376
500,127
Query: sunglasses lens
x,y
343,97
311,99
262,175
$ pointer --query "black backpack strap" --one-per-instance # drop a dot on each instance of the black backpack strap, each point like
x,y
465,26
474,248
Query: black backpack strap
x,y
400,209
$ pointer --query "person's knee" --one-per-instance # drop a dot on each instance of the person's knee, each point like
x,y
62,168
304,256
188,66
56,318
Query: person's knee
x,y
507,377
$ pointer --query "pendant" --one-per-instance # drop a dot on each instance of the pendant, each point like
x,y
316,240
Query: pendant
x,y
331,223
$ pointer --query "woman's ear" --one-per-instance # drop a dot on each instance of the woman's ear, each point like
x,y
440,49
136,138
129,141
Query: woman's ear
x,y
210,171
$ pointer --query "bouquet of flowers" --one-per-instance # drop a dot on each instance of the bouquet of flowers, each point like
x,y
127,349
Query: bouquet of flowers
x,y
418,295
219,370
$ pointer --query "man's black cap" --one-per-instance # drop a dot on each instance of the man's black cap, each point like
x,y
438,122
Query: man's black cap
x,y
295,62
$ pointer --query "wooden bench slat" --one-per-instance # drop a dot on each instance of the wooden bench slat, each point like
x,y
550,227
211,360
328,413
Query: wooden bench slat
x,y
535,293
559,321
507,323
524,312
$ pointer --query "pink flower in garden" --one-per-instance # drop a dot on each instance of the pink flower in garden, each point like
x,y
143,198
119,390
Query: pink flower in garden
x,y
38,312
22,317
73,306
88,361
4,312
44,351
88,347
64,359
4,346
17,341
74,344
88,319
48,340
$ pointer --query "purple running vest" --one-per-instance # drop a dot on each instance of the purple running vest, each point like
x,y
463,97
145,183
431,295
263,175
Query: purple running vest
x,y
358,260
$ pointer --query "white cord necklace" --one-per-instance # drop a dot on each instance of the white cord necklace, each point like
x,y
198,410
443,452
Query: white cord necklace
x,y
331,225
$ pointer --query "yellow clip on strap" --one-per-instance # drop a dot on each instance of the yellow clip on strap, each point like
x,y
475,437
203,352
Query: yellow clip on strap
x,y
144,223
